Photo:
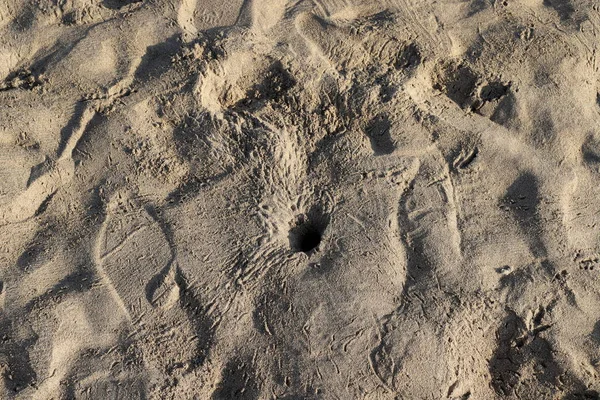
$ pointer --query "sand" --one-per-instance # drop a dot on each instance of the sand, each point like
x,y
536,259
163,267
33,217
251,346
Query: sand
x,y
308,199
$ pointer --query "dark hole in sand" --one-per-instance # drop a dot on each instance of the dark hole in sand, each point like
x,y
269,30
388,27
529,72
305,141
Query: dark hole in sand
x,y
307,234
305,238
493,91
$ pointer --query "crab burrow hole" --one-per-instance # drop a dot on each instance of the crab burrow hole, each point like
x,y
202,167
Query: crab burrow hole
x,y
307,232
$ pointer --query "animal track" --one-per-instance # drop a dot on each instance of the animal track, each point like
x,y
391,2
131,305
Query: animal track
x,y
276,82
467,88
409,57
564,8
493,91
237,382
465,158
378,131
520,347
522,200
16,371
590,149
488,99
457,81
588,263
22,79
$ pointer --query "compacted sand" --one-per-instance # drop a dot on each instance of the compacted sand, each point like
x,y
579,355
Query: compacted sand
x,y
326,199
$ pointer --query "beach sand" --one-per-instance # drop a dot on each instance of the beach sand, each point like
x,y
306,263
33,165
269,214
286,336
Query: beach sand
x,y
325,199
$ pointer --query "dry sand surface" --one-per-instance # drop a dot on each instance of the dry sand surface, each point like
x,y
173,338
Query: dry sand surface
x,y
299,199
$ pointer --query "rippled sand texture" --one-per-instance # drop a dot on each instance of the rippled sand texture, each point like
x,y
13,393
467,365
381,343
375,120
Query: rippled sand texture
x,y
326,199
